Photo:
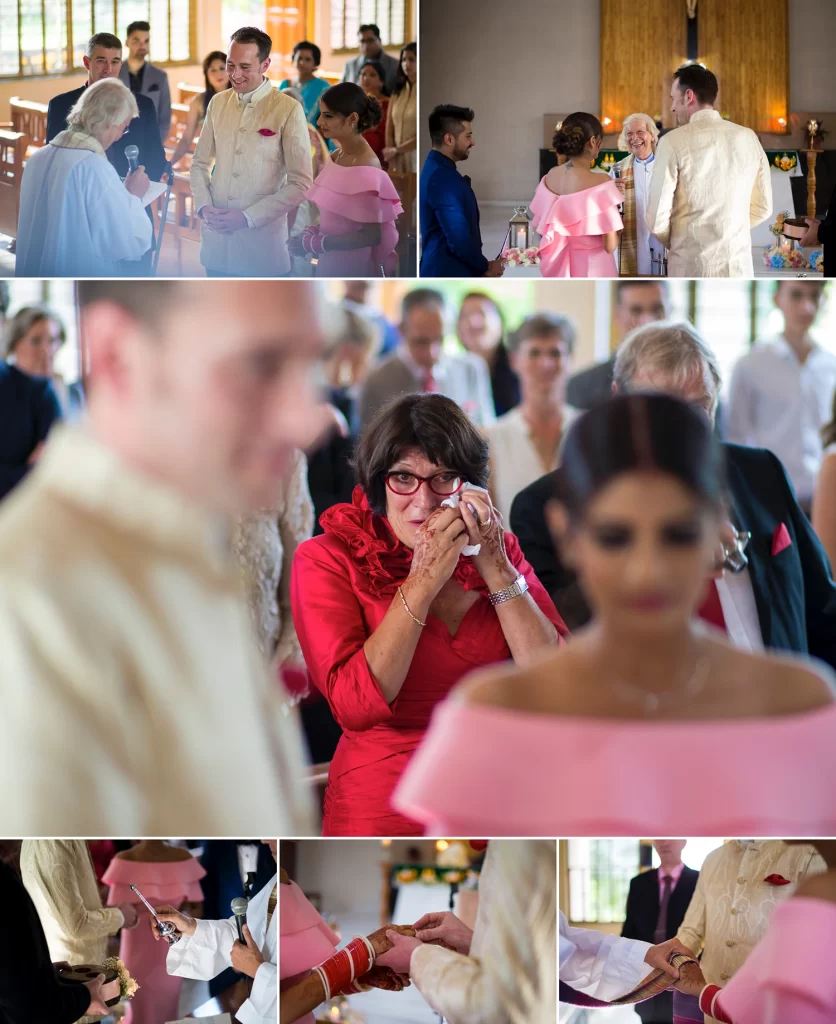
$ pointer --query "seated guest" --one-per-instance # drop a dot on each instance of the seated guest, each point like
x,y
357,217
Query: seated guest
x,y
29,975
481,331
306,59
29,407
636,303
33,338
373,83
420,365
358,204
824,500
215,79
77,219
143,78
104,60
784,598
636,246
823,232
371,48
525,442
640,514
452,239
390,616
401,123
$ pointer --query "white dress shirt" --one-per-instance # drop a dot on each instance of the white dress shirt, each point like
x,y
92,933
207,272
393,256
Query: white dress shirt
x,y
737,599
605,967
206,954
775,402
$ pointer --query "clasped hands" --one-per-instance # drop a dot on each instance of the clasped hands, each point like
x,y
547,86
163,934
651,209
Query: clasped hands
x,y
224,222
688,979
442,929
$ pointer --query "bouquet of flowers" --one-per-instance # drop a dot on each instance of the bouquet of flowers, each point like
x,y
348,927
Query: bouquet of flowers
x,y
522,257
779,258
127,985
817,260
777,228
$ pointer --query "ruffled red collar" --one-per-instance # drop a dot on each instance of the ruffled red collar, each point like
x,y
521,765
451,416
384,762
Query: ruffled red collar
x,y
377,551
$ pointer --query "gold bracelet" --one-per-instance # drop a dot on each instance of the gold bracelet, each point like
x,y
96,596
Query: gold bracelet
x,y
407,610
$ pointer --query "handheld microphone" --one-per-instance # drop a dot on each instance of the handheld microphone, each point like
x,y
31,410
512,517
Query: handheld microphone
x,y
239,910
132,155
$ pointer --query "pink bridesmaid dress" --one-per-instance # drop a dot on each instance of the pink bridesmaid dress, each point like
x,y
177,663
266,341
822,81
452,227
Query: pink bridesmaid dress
x,y
789,977
174,882
571,227
305,940
484,770
347,199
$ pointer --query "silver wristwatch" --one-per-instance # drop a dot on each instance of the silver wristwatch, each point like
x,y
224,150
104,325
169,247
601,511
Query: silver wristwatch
x,y
517,589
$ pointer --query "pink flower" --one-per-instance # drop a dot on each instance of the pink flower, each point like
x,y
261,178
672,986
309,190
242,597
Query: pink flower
x,y
265,132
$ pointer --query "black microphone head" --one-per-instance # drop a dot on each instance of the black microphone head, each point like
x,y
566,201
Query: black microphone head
x,y
239,906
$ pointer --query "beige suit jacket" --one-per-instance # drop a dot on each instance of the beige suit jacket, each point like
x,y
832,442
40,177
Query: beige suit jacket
x,y
267,176
710,187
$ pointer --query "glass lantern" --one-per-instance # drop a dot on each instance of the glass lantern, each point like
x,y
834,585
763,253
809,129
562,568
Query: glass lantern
x,y
519,228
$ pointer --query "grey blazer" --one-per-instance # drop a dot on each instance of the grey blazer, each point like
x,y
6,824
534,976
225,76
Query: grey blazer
x,y
390,66
155,87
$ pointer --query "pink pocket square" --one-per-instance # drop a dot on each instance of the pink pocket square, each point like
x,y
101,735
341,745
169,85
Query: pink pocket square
x,y
780,540
265,132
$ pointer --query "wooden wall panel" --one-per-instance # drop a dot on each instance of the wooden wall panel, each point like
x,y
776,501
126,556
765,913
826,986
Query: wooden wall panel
x,y
286,24
746,44
642,44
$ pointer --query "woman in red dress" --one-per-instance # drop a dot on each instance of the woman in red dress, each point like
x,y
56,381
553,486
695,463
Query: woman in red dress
x,y
373,83
389,611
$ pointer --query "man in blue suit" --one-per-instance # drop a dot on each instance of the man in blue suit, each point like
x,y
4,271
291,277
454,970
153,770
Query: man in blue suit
x,y
452,242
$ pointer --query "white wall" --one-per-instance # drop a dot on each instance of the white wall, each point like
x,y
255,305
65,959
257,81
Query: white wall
x,y
513,63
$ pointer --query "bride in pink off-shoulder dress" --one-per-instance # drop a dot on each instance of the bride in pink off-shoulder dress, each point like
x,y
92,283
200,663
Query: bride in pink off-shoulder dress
x,y
576,210
358,204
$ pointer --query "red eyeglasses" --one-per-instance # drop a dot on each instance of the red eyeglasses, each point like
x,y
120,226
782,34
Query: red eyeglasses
x,y
443,484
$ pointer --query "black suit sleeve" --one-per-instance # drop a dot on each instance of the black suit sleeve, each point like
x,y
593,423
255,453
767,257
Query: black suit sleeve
x,y
630,929
56,117
827,228
151,152
47,411
819,588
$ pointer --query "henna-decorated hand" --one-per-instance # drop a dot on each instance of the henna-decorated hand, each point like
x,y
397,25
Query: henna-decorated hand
x,y
438,543
691,979
385,978
492,562
380,944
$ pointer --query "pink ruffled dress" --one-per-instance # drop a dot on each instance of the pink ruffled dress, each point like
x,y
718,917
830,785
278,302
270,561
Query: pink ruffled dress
x,y
789,977
173,882
347,199
571,227
305,940
562,775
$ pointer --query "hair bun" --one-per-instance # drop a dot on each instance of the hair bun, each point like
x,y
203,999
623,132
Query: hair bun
x,y
569,141
372,115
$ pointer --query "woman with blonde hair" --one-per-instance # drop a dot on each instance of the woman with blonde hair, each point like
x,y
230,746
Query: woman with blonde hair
x,y
77,217
636,247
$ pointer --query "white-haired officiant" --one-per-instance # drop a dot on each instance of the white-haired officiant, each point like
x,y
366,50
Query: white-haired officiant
x,y
639,136
206,948
77,217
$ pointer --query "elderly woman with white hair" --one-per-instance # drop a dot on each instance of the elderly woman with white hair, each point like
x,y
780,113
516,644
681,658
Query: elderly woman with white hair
x,y
77,217
639,136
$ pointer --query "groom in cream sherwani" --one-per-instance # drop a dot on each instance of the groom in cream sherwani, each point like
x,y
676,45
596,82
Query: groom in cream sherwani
x,y
710,185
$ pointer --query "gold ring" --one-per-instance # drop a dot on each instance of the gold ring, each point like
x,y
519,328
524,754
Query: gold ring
x,y
487,522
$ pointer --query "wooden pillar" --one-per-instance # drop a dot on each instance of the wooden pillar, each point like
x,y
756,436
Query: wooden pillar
x,y
812,156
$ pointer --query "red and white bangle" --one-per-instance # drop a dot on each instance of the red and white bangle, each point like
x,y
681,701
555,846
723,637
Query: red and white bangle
x,y
313,241
709,1004
351,962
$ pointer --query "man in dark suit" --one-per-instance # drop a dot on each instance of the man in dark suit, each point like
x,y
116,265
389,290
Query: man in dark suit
x,y
104,60
656,906
823,232
30,988
452,240
785,599
636,303
144,78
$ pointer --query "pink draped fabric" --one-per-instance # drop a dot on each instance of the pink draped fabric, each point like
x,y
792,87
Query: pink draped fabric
x,y
571,227
347,199
173,882
305,940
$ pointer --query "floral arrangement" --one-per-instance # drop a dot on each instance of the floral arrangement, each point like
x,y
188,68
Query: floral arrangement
x,y
522,257
817,260
785,162
127,985
777,228
779,258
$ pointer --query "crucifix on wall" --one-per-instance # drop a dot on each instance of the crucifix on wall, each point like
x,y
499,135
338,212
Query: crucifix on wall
x,y
692,30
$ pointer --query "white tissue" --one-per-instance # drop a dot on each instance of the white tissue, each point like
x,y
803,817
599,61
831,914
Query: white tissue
x,y
453,502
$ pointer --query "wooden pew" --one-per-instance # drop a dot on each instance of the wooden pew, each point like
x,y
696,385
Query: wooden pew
x,y
13,147
186,92
179,117
406,184
30,119
186,220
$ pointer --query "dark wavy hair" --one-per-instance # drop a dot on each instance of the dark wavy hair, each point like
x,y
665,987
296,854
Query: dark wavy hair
x,y
431,424
209,89
401,81
379,70
316,53
636,432
347,98
577,129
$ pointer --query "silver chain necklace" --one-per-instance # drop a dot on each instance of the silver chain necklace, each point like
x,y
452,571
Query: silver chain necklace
x,y
651,702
